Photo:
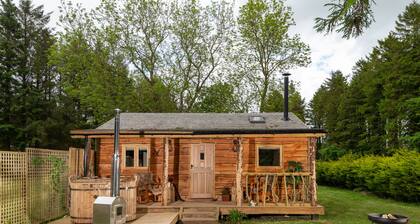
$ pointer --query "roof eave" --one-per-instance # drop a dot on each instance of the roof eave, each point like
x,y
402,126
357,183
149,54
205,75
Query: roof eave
x,y
110,132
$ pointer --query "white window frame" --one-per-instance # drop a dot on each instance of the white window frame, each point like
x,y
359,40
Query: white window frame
x,y
137,148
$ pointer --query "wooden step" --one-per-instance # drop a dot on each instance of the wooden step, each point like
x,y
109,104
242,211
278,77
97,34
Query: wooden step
x,y
200,221
156,210
200,209
200,215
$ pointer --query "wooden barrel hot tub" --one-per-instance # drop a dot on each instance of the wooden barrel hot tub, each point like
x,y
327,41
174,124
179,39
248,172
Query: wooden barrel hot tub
x,y
83,192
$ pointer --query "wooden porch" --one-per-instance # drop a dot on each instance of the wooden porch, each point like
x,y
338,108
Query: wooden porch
x,y
213,210
288,192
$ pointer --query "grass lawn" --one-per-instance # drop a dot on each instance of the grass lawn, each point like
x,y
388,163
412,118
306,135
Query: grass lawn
x,y
348,207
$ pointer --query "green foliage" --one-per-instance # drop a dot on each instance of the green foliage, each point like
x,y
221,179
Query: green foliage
x,y
37,161
331,152
202,42
154,97
275,100
349,17
9,32
218,98
267,46
397,176
235,216
377,112
28,90
139,56
57,171
325,102
294,166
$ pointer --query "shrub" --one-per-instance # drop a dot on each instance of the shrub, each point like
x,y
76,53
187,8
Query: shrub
x,y
397,176
331,152
235,216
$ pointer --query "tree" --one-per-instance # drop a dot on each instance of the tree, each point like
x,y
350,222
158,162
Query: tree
x,y
349,17
323,109
142,27
201,37
296,102
377,112
94,80
275,100
9,63
218,98
263,25
35,79
326,101
153,98
28,83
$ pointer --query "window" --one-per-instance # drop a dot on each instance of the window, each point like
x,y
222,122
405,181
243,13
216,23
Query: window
x,y
269,156
129,157
142,157
135,156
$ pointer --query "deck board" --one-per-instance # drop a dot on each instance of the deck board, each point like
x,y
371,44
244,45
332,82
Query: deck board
x,y
158,218
225,207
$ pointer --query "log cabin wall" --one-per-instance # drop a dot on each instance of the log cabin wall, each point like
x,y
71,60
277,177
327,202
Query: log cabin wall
x,y
293,148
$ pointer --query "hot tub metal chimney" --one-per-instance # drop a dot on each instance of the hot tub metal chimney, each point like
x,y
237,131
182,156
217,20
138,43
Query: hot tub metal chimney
x,y
286,96
115,176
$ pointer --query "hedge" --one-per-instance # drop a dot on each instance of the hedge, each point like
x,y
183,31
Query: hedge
x,y
397,176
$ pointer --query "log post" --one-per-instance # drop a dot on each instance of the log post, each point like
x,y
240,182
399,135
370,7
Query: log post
x,y
312,171
274,189
86,157
265,189
285,189
294,188
257,180
165,173
239,175
246,188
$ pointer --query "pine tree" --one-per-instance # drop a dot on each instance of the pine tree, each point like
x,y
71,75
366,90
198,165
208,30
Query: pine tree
x,y
34,76
10,34
325,103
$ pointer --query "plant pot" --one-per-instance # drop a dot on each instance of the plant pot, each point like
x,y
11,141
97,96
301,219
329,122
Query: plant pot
x,y
226,197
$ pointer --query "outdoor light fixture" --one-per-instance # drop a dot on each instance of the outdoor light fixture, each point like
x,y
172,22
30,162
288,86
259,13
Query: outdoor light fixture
x,y
236,145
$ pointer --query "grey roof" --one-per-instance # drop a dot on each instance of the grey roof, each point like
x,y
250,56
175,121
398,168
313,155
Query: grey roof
x,y
204,122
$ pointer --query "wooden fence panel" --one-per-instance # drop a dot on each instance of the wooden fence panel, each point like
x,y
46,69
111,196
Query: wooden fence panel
x,y
13,173
47,184
76,162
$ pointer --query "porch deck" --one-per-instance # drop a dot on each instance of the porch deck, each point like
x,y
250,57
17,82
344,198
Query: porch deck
x,y
212,210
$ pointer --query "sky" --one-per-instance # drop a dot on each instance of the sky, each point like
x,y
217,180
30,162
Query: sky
x,y
328,52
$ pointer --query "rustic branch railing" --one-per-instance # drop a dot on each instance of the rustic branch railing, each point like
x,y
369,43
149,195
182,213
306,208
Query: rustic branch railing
x,y
264,189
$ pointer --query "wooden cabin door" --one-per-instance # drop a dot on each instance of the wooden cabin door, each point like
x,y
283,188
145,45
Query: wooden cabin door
x,y
202,170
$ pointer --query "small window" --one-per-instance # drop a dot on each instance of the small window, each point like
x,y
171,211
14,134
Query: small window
x,y
268,156
142,157
201,155
135,156
129,157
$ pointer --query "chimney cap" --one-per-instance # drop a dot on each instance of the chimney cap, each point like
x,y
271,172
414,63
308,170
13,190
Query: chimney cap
x,y
286,74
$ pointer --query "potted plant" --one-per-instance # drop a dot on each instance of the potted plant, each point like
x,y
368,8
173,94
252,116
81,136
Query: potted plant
x,y
226,194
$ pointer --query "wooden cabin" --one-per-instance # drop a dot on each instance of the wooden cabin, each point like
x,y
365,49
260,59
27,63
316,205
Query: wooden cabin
x,y
264,161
